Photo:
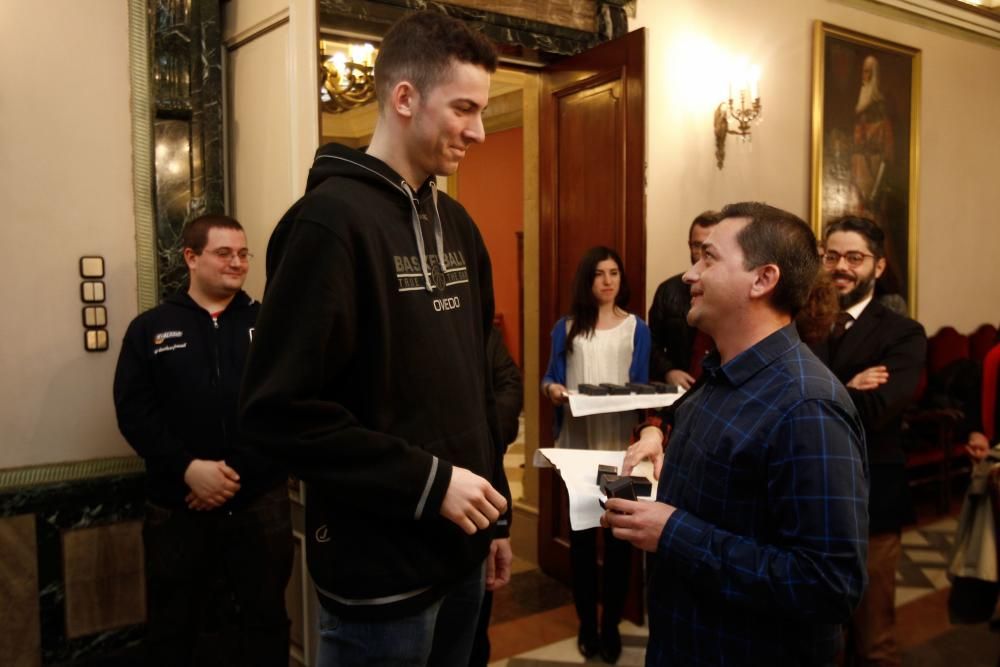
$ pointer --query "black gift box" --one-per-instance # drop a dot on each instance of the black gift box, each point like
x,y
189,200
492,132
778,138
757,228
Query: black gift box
x,y
604,471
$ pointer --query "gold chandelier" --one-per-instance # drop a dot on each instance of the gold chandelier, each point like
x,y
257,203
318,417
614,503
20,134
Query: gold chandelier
x,y
346,76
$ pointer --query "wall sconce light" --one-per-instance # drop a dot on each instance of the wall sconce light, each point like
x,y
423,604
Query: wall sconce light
x,y
346,76
744,109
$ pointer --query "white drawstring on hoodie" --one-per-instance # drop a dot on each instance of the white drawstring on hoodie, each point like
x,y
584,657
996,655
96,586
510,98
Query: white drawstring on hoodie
x,y
419,234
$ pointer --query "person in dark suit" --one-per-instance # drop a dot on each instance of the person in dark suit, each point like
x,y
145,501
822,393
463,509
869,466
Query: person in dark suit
x,y
878,355
677,346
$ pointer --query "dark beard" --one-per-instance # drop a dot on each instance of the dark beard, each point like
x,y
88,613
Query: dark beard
x,y
858,294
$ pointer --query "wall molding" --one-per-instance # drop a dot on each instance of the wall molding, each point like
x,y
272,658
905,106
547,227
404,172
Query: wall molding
x,y
966,19
143,185
59,473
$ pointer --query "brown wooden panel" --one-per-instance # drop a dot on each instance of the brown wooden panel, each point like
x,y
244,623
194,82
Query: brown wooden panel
x,y
105,578
20,631
590,119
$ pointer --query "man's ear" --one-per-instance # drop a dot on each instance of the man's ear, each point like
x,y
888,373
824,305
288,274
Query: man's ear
x,y
404,98
879,267
189,256
765,281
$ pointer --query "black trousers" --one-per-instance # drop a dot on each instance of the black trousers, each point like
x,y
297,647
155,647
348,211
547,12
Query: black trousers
x,y
215,584
617,567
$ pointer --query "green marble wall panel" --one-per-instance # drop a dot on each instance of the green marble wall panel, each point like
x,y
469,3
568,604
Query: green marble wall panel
x,y
187,99
56,508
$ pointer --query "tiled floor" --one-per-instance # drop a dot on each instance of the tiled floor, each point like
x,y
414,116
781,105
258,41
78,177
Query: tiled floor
x,y
534,624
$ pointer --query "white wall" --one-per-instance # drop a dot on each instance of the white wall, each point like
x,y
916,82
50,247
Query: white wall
x,y
273,114
959,240
66,191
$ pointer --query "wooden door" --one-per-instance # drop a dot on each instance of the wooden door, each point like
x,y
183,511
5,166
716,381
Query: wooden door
x,y
591,166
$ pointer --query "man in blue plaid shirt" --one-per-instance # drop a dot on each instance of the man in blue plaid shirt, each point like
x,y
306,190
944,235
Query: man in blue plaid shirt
x,y
759,531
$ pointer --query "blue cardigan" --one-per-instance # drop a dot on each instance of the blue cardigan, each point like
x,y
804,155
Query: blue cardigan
x,y
638,371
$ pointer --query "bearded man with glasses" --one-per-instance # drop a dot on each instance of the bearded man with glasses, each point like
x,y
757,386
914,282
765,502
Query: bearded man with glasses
x,y
217,531
878,355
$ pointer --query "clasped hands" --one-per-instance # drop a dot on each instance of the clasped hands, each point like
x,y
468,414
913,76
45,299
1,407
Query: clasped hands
x,y
212,483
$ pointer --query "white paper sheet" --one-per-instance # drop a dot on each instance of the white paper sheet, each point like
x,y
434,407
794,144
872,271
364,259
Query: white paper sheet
x,y
578,469
581,405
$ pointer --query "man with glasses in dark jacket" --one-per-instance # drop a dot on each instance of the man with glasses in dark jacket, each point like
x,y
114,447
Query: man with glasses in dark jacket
x,y
217,532
879,356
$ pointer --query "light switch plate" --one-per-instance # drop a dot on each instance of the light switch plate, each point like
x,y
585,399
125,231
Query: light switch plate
x,y
91,266
95,316
92,291
95,340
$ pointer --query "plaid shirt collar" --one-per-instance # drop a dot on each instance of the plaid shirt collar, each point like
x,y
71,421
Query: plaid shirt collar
x,y
751,361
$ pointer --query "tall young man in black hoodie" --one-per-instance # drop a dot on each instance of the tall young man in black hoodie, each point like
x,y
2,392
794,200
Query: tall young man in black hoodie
x,y
367,373
217,533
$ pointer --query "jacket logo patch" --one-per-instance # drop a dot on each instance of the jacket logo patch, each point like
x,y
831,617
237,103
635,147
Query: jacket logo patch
x,y
170,348
410,276
159,338
322,534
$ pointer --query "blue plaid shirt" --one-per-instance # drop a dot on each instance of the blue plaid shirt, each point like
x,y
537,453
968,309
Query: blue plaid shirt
x,y
765,555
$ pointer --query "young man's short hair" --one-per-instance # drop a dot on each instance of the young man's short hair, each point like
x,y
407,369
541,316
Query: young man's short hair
x,y
195,233
420,48
867,228
778,237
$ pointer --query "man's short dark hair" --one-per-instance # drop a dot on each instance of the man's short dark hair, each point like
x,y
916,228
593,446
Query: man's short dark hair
x,y
871,232
778,237
705,219
420,48
195,233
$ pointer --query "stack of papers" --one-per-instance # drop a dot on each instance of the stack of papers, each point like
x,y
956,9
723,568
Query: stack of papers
x,y
578,469
581,405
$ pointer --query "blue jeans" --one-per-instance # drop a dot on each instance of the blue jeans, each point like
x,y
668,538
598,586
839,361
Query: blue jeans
x,y
440,635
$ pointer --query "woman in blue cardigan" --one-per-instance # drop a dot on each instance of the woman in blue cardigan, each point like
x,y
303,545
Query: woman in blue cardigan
x,y
599,341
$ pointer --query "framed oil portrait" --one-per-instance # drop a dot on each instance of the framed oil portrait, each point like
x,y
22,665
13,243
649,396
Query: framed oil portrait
x,y
865,151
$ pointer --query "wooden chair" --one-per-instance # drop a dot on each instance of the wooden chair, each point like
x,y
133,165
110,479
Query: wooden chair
x,y
929,431
991,375
944,348
981,341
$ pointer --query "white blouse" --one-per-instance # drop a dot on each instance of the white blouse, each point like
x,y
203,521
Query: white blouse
x,y
604,356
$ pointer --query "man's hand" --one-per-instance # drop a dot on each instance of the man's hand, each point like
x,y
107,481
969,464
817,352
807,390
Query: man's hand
x,y
978,446
498,564
680,378
471,502
212,483
556,393
870,378
648,446
639,522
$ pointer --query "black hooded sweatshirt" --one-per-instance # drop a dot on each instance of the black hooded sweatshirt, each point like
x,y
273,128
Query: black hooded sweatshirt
x,y
367,378
176,388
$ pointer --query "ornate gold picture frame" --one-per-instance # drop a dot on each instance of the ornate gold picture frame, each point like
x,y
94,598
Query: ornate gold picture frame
x,y
866,143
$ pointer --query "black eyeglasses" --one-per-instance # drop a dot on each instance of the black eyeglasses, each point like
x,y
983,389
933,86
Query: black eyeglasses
x,y
854,258
227,254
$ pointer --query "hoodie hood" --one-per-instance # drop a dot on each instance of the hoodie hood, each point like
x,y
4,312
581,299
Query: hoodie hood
x,y
336,160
